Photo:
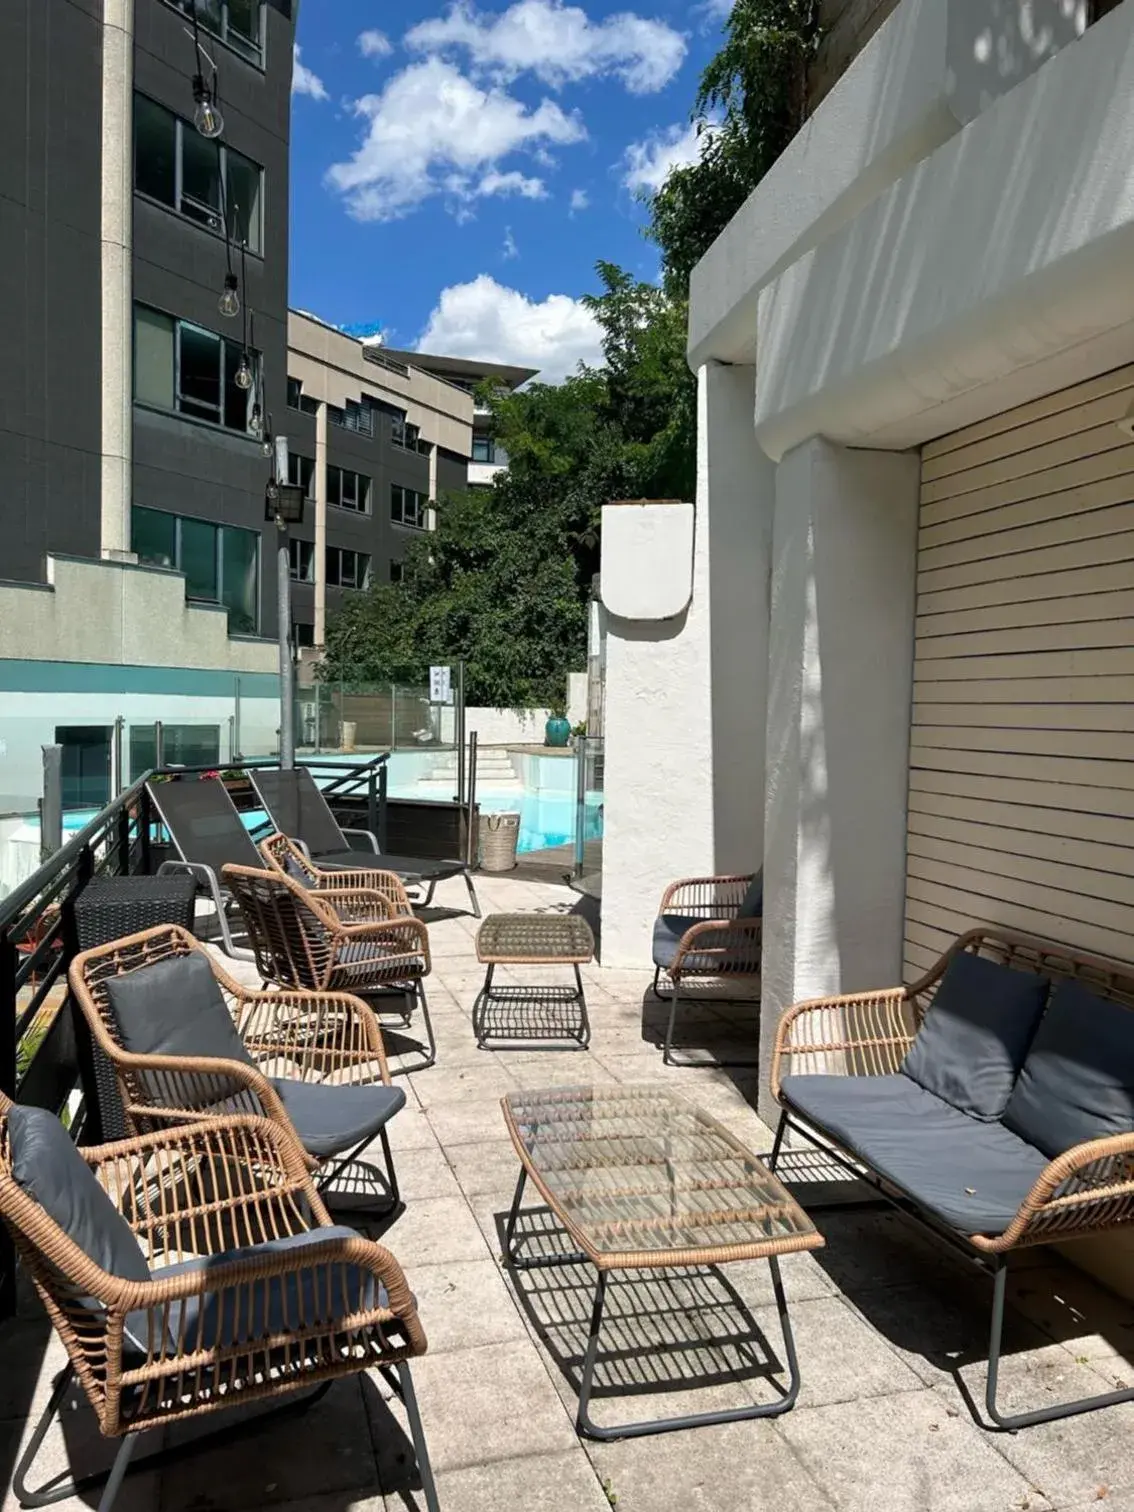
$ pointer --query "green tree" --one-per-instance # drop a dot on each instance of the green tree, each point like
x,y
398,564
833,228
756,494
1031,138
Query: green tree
x,y
504,579
750,104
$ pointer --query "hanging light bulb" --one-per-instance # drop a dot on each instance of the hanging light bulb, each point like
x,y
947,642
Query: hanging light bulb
x,y
243,376
207,117
229,302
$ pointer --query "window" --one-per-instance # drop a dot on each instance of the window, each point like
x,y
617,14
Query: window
x,y
298,400
347,569
483,449
177,166
184,368
302,554
397,571
303,634
407,506
301,470
221,563
408,436
237,22
349,490
182,745
353,417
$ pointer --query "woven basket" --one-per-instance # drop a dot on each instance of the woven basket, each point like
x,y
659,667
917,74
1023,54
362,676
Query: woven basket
x,y
498,836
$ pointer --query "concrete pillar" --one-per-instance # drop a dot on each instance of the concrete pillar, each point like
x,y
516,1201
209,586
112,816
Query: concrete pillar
x,y
840,677
736,485
117,256
685,697
320,630
431,512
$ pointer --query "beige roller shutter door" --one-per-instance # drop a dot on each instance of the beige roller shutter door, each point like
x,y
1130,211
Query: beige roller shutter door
x,y
1021,803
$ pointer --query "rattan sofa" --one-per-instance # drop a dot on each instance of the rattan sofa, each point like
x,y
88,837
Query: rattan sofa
x,y
992,1101
191,1270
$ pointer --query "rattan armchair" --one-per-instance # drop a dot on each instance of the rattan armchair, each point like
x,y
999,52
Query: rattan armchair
x,y
299,1048
702,933
252,1293
1085,1191
290,860
335,940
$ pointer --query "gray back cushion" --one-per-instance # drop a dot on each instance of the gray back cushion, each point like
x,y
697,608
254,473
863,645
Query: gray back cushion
x,y
752,904
48,1167
974,1038
1077,1082
175,1007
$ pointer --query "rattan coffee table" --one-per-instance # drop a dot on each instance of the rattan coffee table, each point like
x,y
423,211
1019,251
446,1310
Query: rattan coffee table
x,y
643,1180
555,1017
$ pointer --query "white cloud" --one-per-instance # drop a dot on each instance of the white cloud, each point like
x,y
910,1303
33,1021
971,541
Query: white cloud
x,y
558,43
485,321
432,131
580,200
374,44
303,81
496,182
510,248
648,164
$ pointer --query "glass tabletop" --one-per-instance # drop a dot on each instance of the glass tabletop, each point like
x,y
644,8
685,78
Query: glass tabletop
x,y
636,1171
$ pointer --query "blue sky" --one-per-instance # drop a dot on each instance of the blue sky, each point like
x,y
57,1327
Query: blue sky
x,y
457,170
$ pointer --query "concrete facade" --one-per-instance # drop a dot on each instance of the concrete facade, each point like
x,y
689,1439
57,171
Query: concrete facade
x,y
933,248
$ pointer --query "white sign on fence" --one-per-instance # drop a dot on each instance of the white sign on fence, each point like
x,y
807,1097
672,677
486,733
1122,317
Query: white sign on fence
x,y
440,685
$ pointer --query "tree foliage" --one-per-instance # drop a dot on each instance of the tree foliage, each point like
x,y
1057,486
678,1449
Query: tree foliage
x,y
749,105
503,581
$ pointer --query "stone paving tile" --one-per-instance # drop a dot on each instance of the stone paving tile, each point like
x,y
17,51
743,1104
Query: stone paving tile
x,y
562,1482
465,1305
1065,1460
434,1231
492,1166
460,1084
1072,1309
905,1454
486,1404
731,1467
841,1359
425,1173
471,1121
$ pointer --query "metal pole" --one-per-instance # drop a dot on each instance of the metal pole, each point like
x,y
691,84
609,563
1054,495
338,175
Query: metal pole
x,y
118,743
232,739
459,731
236,751
51,809
287,687
159,744
383,785
580,801
470,842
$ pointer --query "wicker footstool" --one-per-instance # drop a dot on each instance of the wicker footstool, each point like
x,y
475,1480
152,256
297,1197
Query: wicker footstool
x,y
516,1015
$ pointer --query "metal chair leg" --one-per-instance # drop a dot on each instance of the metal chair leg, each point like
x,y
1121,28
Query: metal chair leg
x,y
1011,1422
667,1048
777,1143
585,1024
401,1380
327,1176
472,895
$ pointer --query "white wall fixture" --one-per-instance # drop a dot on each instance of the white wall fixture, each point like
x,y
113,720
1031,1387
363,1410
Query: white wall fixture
x,y
647,557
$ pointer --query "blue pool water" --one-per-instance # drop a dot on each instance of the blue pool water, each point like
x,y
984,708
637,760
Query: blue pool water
x,y
545,820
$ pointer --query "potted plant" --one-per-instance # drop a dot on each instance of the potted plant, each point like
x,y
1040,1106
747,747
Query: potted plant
x,y
557,730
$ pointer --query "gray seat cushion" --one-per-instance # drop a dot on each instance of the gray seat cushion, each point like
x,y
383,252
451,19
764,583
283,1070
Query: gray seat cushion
x,y
274,1305
49,1168
974,1038
175,1007
972,1175
752,904
669,929
331,1120
1077,1082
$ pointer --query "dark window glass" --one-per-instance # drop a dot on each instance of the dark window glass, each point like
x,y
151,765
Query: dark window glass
x,y
244,26
200,386
237,401
86,765
334,484
153,536
201,180
301,470
303,634
483,449
155,151
347,569
198,559
407,506
182,745
302,554
244,180
239,578
294,393
396,572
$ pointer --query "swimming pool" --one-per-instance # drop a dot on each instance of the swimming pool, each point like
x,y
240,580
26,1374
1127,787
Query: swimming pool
x,y
545,821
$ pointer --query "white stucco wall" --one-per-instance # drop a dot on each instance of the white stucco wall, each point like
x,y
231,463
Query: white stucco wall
x,y
840,677
930,69
658,809
996,270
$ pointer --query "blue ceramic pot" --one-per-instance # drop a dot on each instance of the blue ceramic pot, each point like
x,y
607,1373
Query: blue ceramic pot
x,y
556,732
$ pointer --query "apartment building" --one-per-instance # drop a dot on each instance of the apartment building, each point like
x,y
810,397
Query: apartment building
x,y
487,457
143,296
377,436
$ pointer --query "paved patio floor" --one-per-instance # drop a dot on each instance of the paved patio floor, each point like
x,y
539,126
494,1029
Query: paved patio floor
x,y
891,1334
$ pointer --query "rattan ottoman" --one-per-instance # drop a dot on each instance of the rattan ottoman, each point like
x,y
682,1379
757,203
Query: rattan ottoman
x,y
553,1016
